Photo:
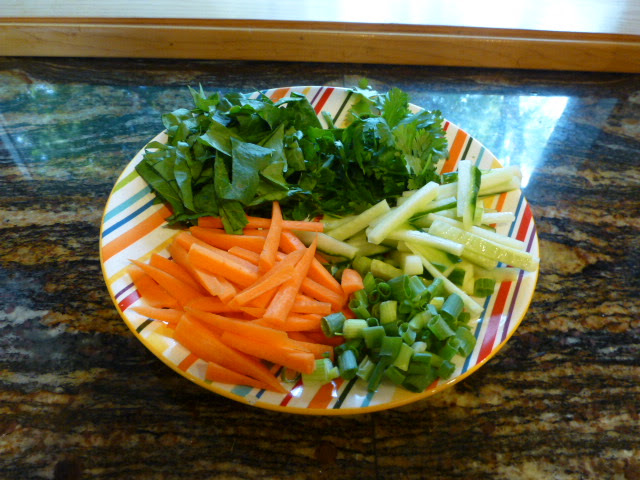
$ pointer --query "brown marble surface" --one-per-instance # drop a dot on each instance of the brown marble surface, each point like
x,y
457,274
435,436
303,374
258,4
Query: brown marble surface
x,y
80,397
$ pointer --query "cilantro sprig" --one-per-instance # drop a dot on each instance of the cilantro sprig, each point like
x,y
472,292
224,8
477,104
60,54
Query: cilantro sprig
x,y
231,155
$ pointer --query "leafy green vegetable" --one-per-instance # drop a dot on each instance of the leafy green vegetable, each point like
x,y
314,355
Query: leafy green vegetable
x,y
232,155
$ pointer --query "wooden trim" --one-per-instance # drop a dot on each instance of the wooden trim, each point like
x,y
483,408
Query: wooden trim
x,y
320,42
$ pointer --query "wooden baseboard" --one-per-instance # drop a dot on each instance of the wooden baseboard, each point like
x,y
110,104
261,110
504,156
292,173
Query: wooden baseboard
x,y
320,42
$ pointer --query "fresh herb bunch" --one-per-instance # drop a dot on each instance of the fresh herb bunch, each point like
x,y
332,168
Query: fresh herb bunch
x,y
232,155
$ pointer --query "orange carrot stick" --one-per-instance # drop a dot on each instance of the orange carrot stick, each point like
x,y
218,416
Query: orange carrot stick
x,y
217,305
217,373
271,241
253,330
169,315
301,323
317,271
304,304
223,264
319,350
284,299
320,292
174,268
210,222
279,274
215,285
179,290
257,222
245,254
286,356
152,293
205,344
351,281
225,241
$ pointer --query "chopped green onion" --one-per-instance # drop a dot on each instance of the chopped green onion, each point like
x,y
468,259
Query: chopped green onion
x,y
440,328
483,287
467,341
373,336
347,364
360,311
369,282
418,291
376,375
390,347
373,322
353,327
436,288
324,372
457,276
384,290
449,349
388,311
409,336
362,265
419,383
419,347
399,288
365,368
452,307
404,357
437,302
446,369
419,320
391,329
332,324
360,297
395,375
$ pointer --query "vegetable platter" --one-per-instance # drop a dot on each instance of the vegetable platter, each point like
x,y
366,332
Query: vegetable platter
x,y
346,250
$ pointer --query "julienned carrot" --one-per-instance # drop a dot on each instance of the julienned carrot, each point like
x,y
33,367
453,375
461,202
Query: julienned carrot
x,y
223,264
317,272
179,290
304,304
149,290
272,240
245,254
319,337
285,297
215,285
319,350
257,332
205,344
320,292
169,315
257,222
175,269
216,305
351,281
287,357
280,273
301,323
225,241
217,373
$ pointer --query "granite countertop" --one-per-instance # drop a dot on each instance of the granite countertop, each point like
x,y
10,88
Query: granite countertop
x,y
81,397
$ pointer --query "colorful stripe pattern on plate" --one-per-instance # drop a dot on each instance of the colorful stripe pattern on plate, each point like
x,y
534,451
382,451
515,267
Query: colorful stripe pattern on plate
x,y
132,228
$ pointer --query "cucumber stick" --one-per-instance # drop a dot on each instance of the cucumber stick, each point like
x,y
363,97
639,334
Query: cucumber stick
x,y
478,245
474,308
467,192
360,222
483,232
424,238
329,245
396,217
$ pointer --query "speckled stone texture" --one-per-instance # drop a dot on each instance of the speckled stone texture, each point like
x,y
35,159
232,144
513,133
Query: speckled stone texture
x,y
80,397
